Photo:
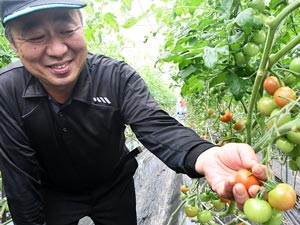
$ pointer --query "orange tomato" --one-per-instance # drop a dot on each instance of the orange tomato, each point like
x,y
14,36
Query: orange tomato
x,y
226,117
282,95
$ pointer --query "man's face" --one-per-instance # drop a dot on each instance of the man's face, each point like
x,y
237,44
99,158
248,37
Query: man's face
x,y
51,45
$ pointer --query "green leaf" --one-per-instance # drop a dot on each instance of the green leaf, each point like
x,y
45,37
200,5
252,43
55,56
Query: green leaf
x,y
127,3
220,78
237,86
187,71
130,22
110,19
210,57
245,17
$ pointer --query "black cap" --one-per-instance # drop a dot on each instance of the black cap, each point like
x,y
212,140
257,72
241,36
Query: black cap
x,y
10,9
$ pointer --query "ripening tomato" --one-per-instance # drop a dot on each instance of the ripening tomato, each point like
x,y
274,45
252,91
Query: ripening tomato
x,y
271,84
184,188
226,117
282,197
266,105
246,178
238,125
257,210
191,211
282,95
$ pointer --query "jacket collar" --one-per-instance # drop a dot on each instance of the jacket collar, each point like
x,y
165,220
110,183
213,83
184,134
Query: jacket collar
x,y
81,92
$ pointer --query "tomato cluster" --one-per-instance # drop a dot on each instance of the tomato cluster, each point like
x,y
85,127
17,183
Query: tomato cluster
x,y
271,104
268,211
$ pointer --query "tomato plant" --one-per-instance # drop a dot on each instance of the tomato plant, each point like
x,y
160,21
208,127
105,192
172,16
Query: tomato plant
x,y
226,117
245,177
282,197
271,84
282,96
257,210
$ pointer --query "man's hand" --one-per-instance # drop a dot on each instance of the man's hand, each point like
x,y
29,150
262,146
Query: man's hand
x,y
220,164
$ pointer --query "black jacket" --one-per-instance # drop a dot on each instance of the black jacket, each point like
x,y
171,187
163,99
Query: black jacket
x,y
80,145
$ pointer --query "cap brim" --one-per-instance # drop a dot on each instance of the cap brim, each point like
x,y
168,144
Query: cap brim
x,y
28,10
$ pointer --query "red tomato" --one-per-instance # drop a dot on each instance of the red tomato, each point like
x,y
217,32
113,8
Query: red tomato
x,y
271,84
282,197
227,117
282,95
246,178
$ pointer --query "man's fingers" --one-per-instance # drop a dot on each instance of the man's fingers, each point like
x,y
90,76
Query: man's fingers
x,y
240,195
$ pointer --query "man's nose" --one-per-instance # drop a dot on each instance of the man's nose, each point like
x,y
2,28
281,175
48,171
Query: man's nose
x,y
56,47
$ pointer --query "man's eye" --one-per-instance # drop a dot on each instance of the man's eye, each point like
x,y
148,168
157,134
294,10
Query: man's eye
x,y
67,32
36,38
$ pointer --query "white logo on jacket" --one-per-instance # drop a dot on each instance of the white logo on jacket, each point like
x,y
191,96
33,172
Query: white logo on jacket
x,y
104,100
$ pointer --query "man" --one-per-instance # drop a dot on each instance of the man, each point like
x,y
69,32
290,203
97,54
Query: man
x,y
62,119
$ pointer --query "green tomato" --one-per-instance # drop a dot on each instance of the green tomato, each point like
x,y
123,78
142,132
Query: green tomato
x,y
276,219
266,105
259,21
259,37
284,145
259,5
257,210
298,161
204,216
280,122
240,59
295,65
191,211
250,49
289,80
218,204
293,165
293,137
295,153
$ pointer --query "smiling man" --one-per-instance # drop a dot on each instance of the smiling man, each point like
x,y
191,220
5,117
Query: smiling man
x,y
63,113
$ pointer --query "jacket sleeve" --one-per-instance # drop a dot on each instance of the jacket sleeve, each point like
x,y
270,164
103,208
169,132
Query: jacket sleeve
x,y
18,165
176,145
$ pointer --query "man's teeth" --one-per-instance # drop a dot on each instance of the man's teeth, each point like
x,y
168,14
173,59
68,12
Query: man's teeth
x,y
60,66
